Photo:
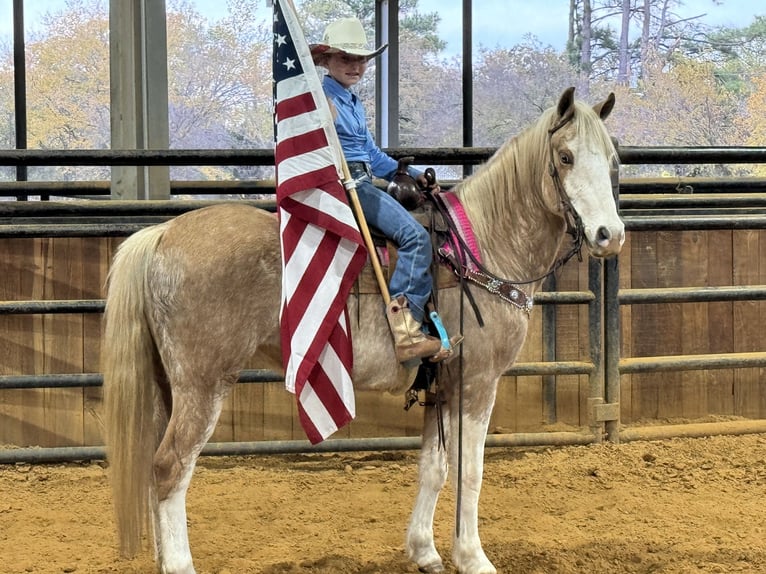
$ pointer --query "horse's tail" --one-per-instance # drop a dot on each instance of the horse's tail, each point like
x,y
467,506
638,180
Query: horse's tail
x,y
128,356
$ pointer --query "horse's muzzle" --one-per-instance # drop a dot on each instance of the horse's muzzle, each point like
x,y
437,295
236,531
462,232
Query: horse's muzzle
x,y
607,240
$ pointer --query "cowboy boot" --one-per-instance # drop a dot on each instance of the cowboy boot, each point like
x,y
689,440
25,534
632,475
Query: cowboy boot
x,y
410,342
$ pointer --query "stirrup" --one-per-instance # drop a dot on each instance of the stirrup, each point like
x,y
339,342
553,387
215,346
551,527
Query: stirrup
x,y
448,343
447,352
410,343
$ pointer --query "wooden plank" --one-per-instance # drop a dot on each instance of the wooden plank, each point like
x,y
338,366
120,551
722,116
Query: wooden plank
x,y
518,405
381,414
694,323
529,398
96,256
17,340
63,341
280,416
645,387
568,344
747,330
759,374
720,399
668,330
247,406
625,337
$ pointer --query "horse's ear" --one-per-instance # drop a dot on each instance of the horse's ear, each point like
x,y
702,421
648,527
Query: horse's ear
x,y
566,103
605,108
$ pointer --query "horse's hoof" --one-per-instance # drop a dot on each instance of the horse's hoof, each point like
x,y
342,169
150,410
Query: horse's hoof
x,y
431,569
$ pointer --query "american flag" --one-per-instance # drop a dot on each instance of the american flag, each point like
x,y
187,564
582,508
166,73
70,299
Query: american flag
x,y
322,249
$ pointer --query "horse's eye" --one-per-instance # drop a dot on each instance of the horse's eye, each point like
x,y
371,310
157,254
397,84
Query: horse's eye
x,y
565,158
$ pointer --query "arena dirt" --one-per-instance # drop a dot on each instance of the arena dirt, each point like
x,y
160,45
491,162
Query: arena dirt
x,y
674,507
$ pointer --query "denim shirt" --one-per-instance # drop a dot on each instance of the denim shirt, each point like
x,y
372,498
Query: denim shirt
x,y
353,133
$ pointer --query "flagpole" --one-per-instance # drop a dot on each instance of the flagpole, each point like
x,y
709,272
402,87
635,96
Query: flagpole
x,y
350,186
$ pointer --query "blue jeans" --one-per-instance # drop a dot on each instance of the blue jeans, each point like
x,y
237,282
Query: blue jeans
x,y
412,275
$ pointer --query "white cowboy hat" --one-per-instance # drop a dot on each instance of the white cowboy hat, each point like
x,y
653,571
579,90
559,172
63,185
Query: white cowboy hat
x,y
345,35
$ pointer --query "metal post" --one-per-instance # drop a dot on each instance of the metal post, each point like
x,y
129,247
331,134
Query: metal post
x,y
387,74
20,86
549,353
467,81
612,346
596,389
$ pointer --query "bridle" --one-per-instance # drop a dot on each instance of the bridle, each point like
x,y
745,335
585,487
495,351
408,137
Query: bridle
x,y
573,220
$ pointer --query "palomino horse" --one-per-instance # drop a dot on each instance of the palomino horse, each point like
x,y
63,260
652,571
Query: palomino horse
x,y
191,300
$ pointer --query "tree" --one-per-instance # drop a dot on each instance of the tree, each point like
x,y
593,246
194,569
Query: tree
x,y
754,118
512,87
682,106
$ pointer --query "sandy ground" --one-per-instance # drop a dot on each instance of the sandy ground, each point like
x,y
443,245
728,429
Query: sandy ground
x,y
678,506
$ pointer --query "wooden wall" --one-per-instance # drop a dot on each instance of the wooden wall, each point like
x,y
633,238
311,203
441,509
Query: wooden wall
x,y
75,268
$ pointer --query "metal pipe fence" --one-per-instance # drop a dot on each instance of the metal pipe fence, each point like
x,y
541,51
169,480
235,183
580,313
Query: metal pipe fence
x,y
676,204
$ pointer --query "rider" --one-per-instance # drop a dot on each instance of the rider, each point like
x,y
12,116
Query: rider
x,y
344,53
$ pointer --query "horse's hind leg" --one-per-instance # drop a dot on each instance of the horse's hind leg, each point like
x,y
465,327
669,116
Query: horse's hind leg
x,y
194,414
432,476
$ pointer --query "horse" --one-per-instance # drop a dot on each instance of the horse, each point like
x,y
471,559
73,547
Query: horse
x,y
192,299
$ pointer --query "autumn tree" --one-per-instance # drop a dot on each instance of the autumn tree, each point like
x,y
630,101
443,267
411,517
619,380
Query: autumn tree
x,y
68,87
754,118
219,84
685,105
512,87
678,82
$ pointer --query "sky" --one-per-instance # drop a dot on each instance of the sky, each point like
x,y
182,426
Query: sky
x,y
496,23
505,23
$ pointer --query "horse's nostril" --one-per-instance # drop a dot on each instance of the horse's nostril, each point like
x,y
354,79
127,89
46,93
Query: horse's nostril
x,y
603,236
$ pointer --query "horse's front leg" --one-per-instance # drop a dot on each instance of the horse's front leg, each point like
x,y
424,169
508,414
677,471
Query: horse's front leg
x,y
467,553
432,473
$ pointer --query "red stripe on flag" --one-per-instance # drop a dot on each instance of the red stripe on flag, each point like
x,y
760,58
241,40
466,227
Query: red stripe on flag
x,y
313,274
324,389
308,425
302,144
325,178
328,395
291,236
302,302
295,106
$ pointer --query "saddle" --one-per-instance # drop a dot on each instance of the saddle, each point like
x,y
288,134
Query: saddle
x,y
422,207
430,218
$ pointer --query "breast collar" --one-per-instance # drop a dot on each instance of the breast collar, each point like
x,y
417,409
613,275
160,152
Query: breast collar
x,y
461,252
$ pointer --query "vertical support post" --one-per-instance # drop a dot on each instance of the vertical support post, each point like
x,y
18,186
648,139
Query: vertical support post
x,y
20,86
467,80
596,389
139,94
612,346
387,74
549,353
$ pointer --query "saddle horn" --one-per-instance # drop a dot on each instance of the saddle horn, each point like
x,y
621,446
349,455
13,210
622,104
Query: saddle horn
x,y
403,186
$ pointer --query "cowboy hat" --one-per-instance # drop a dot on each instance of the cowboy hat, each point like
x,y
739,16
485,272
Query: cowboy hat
x,y
345,35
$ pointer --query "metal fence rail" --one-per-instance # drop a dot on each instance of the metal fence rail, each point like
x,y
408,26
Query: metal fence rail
x,y
646,204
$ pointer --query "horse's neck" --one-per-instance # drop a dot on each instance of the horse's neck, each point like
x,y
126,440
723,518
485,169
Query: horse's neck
x,y
518,237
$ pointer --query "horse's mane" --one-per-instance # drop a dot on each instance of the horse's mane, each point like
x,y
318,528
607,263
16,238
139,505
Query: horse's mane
x,y
510,181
